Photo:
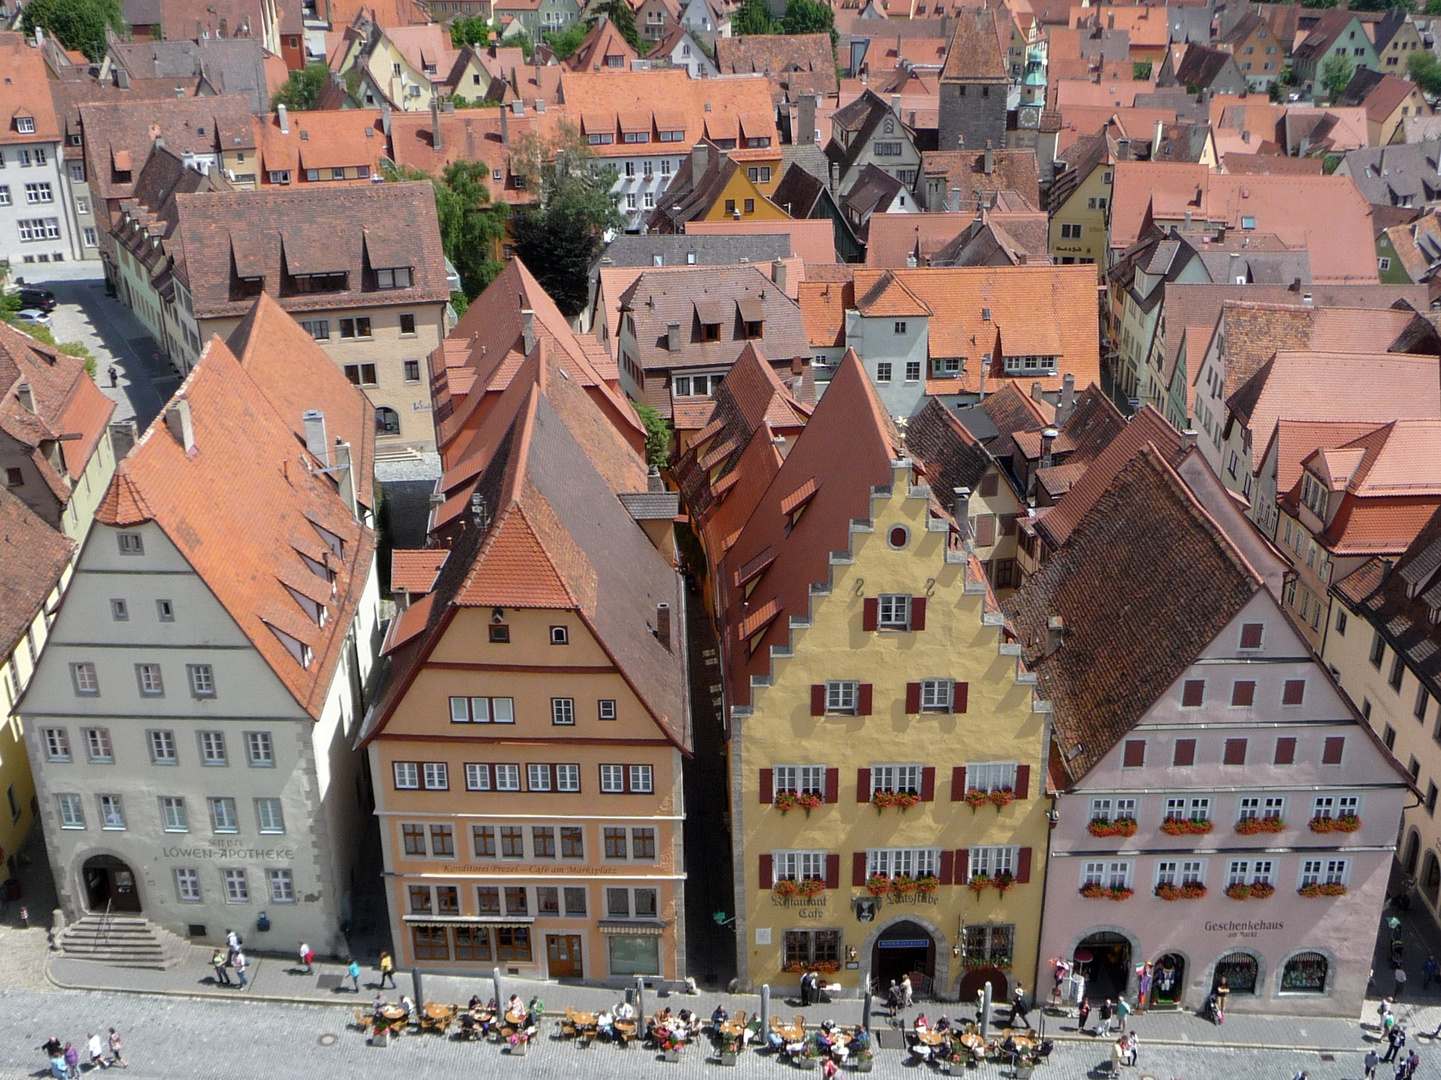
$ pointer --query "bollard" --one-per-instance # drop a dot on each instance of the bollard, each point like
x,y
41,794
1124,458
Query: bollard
x,y
418,988
765,1008
495,978
640,999
866,1005
986,1010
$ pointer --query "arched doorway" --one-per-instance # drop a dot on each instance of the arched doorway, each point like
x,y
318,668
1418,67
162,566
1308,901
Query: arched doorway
x,y
1413,852
1168,980
109,883
975,980
1430,877
1105,960
903,948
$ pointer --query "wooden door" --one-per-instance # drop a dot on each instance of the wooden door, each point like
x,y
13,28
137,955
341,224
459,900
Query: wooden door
x,y
563,956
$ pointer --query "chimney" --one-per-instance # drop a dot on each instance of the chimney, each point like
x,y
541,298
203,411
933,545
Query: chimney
x,y
662,625
385,117
315,440
345,479
672,337
961,509
778,274
1158,139
122,77
527,323
504,126
1048,441
1067,404
1188,438
806,120
953,200
282,116
835,178
1037,394
437,142
1055,634
896,104
699,158
1123,149
653,483
177,419
180,91
25,396
989,160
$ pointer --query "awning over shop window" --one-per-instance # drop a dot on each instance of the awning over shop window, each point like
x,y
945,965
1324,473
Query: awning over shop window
x,y
633,929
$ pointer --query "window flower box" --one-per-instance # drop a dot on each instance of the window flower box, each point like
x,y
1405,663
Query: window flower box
x,y
1096,891
904,799
1347,823
786,801
1001,796
1118,827
1320,888
1257,890
788,888
976,797
979,883
1186,827
1255,825
927,883
826,967
904,885
878,885
1004,882
1190,890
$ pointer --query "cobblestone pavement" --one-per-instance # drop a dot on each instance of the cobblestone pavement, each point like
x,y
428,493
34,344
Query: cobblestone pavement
x,y
169,1037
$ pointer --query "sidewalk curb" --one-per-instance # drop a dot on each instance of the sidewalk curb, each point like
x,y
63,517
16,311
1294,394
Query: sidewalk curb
x,y
283,999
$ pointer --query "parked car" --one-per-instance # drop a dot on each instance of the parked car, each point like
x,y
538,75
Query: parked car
x,y
39,299
32,317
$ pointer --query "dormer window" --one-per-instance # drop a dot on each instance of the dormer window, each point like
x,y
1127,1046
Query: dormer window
x,y
25,125
333,542
1313,495
753,330
710,331
397,277
318,283
251,286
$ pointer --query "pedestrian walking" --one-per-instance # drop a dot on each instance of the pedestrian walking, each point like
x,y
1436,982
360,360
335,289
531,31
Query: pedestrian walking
x,y
72,1062
1413,1062
239,963
1085,1014
807,981
307,958
1429,970
1145,984
233,941
1396,1038
114,375
94,1051
1118,1053
53,1047
1123,1010
906,999
1020,1008
220,961
1400,982
1223,996
1107,1011
1370,1062
352,972
1133,1049
895,997
116,1045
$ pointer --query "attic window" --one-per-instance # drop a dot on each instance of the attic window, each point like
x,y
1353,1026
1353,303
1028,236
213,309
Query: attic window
x,y
1030,365
297,648
710,331
333,542
250,286
317,283
1248,223
398,277
25,125
1313,494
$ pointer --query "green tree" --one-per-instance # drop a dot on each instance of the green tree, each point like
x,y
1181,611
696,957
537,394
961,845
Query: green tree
x,y
809,17
1277,91
561,234
1425,71
1141,71
77,24
302,89
657,435
471,30
620,13
1433,7
564,43
470,224
753,17
1336,72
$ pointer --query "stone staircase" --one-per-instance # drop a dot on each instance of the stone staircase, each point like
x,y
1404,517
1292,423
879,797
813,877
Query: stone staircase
x,y
123,941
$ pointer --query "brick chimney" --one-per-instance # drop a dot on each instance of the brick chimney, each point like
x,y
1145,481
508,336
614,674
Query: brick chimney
x,y
177,419
672,337
699,159
527,324
662,625
961,509
315,442
778,274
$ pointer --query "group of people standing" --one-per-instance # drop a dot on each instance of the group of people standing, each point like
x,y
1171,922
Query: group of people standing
x,y
231,958
65,1058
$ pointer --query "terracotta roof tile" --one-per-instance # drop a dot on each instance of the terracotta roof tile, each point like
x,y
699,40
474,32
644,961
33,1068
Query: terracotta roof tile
x,y
823,306
813,241
27,92
976,53
32,557
333,139
949,455
964,172
780,58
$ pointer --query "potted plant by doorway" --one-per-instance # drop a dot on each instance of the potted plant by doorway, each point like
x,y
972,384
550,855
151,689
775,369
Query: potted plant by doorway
x,y
730,1046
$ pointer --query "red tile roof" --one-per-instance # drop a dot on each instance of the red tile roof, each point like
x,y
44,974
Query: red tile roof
x,y
812,240
414,570
32,558
332,139
27,93
248,509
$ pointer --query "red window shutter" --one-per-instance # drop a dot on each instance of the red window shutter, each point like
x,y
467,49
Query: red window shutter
x,y
863,785
961,872
985,530
948,859
833,871
1193,693
863,700
959,695
858,868
1008,524
1023,781
990,483
1251,635
1243,693
1335,747
918,613
958,784
1294,692
767,878
928,784
913,697
870,613
1235,752
833,785
1135,753
818,699
1185,753
1285,750
767,786
1023,866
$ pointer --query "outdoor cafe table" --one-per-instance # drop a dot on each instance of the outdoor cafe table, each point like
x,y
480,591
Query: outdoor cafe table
x,y
793,1034
931,1038
732,1029
972,1042
515,1018
434,1010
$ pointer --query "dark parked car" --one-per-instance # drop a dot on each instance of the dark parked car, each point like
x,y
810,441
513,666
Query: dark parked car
x,y
41,299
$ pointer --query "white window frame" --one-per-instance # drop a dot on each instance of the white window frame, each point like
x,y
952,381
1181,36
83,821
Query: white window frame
x,y
894,862
72,811
98,746
991,775
562,711
435,775
151,681
937,695
537,777
1114,808
477,776
187,885
893,611
173,815
482,710
237,885
507,777
281,883
567,778
798,865
991,860
112,812
202,680
799,778
223,820
641,779
213,753
270,816
1324,871
1109,873
57,744
406,775
842,696
162,747
259,750
896,778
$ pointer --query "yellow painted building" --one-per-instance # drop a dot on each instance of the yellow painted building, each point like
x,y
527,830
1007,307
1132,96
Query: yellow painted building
x,y
1080,224
868,677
